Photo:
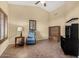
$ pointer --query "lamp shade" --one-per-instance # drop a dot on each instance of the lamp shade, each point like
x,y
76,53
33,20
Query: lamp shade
x,y
19,29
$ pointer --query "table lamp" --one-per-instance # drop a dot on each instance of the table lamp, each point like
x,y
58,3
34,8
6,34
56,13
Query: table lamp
x,y
20,29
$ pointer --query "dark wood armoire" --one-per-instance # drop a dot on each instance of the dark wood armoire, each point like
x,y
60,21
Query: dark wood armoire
x,y
70,43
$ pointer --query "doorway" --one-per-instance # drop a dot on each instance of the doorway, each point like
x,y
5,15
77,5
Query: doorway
x,y
54,33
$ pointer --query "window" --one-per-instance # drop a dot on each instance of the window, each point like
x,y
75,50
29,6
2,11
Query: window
x,y
3,26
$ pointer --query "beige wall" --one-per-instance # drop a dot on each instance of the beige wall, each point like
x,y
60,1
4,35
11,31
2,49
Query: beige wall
x,y
57,18
63,14
59,22
20,16
73,13
4,7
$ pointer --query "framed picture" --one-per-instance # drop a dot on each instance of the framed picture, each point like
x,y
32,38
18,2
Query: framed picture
x,y
3,25
32,24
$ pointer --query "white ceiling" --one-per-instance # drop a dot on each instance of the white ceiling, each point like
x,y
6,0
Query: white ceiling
x,y
51,5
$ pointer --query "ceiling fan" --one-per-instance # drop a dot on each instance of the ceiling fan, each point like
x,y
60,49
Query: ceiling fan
x,y
42,2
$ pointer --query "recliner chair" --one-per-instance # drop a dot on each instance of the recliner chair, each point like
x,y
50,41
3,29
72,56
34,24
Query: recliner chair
x,y
31,39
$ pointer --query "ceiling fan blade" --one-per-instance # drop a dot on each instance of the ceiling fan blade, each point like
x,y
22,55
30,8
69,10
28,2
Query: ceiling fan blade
x,y
44,4
37,2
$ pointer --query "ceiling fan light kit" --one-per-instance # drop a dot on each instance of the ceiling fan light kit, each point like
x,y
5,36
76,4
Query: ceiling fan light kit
x,y
42,2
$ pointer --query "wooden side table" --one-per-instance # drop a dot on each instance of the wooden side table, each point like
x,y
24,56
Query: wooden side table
x,y
22,38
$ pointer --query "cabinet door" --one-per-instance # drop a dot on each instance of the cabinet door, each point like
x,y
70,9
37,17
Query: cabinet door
x,y
54,33
67,32
74,38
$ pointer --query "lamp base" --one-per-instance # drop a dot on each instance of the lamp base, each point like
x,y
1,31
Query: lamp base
x,y
21,34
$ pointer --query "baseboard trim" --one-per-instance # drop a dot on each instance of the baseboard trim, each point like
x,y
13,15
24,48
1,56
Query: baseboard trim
x,y
41,40
36,41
